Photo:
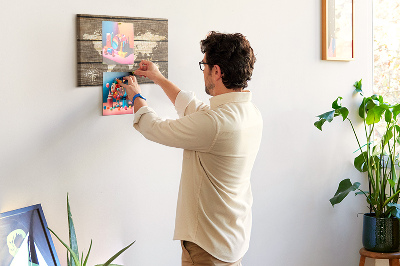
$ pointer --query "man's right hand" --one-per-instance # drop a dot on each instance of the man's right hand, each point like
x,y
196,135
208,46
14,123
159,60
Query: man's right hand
x,y
149,70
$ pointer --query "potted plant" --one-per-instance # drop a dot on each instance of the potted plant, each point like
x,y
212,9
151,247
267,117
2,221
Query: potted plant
x,y
73,256
379,159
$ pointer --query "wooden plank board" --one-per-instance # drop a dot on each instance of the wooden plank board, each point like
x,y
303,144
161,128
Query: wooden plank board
x,y
150,43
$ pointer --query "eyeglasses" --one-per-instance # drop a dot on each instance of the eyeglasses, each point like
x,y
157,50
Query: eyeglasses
x,y
201,65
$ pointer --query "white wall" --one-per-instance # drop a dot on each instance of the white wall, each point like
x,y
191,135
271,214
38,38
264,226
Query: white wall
x,y
123,187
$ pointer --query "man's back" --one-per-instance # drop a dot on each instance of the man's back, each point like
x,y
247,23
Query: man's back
x,y
214,203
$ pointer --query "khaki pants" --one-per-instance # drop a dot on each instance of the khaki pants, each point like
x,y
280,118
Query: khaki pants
x,y
192,254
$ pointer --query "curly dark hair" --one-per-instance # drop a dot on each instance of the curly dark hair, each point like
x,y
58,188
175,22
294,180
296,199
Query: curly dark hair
x,y
233,54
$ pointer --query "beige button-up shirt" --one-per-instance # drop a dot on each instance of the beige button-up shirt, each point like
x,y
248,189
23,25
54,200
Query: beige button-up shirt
x,y
220,145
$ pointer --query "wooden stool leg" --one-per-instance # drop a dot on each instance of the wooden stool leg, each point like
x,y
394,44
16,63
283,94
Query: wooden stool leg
x,y
362,260
394,262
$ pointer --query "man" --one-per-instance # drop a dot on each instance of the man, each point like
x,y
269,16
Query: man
x,y
220,142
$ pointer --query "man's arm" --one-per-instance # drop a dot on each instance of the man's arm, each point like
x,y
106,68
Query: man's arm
x,y
197,131
150,70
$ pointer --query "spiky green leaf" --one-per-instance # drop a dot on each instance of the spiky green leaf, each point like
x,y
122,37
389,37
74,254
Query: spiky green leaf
x,y
117,254
73,254
87,256
72,235
108,265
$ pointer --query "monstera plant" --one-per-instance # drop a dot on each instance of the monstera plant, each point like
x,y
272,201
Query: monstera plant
x,y
73,256
378,157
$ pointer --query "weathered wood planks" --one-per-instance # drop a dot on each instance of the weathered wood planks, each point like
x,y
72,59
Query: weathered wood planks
x,y
150,43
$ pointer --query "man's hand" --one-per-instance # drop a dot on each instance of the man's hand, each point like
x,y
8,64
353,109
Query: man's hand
x,y
149,70
132,88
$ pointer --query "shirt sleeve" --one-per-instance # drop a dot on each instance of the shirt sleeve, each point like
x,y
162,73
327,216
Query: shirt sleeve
x,y
186,103
196,131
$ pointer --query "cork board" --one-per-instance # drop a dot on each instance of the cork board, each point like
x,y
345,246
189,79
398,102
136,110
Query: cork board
x,y
150,43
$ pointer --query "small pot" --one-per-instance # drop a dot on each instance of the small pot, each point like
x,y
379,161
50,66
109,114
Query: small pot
x,y
381,234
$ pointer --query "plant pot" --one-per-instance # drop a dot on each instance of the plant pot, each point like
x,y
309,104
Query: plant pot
x,y
381,234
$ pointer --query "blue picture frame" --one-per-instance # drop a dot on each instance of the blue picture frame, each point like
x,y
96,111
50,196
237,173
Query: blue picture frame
x,y
25,238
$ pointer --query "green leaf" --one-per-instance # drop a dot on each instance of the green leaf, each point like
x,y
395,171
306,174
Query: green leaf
x,y
108,265
388,116
366,105
387,137
360,162
337,103
72,236
117,254
374,115
319,123
345,187
343,111
394,209
392,183
396,110
377,98
363,192
328,116
73,254
361,109
375,162
358,86
87,256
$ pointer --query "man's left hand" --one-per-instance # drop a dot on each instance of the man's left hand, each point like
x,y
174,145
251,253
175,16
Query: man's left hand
x,y
132,88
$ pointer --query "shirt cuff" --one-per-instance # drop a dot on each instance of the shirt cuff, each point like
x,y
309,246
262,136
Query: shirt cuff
x,y
143,110
182,101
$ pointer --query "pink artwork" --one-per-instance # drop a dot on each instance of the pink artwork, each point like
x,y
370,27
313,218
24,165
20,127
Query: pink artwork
x,y
117,43
115,100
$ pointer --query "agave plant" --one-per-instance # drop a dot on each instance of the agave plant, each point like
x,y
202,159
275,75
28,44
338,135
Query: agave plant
x,y
73,253
378,159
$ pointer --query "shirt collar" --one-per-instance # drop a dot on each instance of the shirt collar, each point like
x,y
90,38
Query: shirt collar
x,y
229,98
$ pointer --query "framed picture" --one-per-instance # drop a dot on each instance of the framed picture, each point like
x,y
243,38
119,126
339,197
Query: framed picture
x,y
118,44
338,30
25,239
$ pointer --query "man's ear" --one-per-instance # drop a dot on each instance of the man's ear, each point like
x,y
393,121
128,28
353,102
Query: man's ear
x,y
216,72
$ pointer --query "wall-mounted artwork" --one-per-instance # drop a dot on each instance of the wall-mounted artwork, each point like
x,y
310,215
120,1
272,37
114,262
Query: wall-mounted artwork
x,y
338,30
115,100
117,43
150,42
25,239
